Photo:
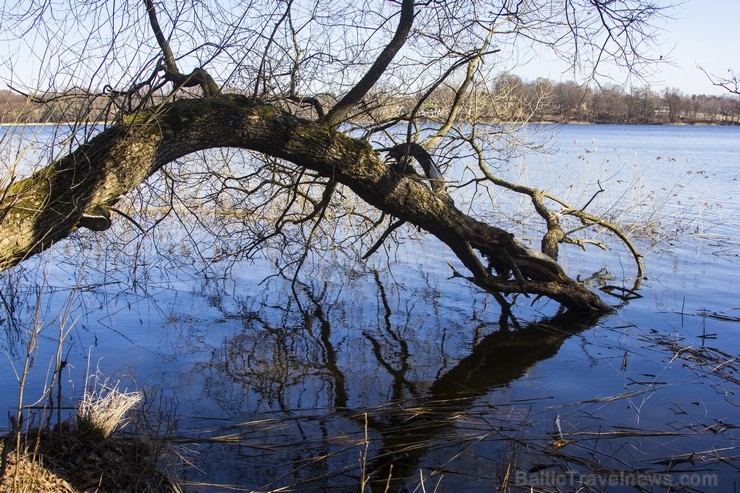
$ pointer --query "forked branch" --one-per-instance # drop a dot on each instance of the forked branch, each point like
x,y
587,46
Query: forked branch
x,y
198,77
555,234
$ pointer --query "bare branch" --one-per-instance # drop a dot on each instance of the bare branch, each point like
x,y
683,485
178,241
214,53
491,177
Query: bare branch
x,y
168,56
340,111
731,83
198,77
555,233
389,230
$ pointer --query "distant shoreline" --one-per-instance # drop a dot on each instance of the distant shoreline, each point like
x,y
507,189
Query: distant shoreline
x,y
48,124
652,124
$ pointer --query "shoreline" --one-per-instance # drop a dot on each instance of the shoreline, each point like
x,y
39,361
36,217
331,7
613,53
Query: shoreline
x,y
547,122
49,124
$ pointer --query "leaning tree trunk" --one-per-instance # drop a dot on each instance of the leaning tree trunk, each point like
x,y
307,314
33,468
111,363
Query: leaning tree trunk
x,y
45,208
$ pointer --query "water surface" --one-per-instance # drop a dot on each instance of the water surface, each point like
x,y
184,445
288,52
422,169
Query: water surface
x,y
393,368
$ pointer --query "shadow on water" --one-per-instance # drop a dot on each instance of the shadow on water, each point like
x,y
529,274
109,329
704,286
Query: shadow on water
x,y
497,360
343,416
394,381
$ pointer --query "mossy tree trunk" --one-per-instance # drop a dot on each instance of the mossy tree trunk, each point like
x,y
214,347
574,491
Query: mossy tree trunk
x,y
41,210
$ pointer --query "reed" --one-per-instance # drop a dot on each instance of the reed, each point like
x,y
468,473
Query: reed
x,y
103,410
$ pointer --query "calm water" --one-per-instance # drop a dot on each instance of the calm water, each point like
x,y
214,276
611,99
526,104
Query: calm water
x,y
394,367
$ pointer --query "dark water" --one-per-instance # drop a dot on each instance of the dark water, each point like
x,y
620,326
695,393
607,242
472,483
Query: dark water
x,y
394,369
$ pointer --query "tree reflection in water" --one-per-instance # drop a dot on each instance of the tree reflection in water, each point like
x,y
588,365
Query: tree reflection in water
x,y
325,390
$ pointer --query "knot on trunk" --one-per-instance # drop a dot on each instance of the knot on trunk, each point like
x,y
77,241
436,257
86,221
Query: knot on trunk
x,y
96,219
401,153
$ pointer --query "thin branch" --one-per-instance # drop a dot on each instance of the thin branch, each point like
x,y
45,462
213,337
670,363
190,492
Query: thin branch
x,y
391,228
260,72
164,45
730,84
340,111
473,64
198,77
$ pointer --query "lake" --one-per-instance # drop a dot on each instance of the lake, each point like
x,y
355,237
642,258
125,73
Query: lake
x,y
391,369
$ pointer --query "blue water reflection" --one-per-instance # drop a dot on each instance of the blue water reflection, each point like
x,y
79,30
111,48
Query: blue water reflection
x,y
396,367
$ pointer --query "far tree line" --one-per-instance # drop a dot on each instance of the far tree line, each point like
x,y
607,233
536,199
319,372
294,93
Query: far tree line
x,y
508,99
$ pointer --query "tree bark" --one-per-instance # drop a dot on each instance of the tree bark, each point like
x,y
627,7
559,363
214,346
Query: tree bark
x,y
45,208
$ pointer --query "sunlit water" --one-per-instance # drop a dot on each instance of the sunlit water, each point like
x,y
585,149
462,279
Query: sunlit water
x,y
396,369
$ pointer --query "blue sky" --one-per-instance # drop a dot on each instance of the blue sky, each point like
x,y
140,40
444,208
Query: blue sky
x,y
698,32
707,33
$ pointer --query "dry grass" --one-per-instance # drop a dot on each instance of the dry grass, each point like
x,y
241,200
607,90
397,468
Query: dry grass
x,y
86,456
102,411
24,474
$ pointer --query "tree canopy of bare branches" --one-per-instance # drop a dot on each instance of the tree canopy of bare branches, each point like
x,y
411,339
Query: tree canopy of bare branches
x,y
325,101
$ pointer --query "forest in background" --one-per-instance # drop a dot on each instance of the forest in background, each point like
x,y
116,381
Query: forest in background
x,y
507,99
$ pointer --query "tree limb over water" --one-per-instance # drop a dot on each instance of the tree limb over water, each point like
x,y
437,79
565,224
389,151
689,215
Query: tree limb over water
x,y
304,160
46,208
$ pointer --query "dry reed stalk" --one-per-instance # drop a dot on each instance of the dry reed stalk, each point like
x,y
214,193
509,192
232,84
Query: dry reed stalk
x,y
102,411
